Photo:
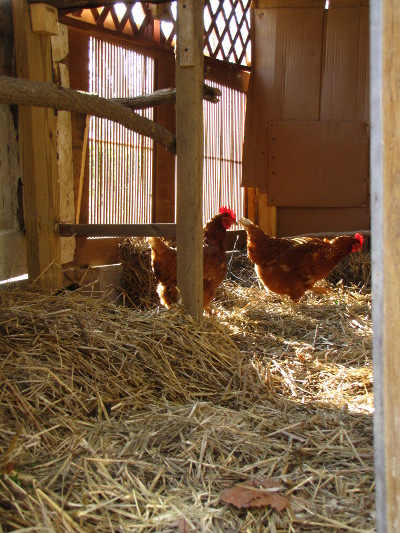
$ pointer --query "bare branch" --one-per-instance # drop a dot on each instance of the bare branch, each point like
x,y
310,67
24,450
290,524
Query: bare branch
x,y
163,96
39,94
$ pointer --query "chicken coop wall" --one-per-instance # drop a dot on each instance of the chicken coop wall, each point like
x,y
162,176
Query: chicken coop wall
x,y
13,261
105,251
310,65
13,242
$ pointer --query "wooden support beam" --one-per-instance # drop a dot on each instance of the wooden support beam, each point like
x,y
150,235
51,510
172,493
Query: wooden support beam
x,y
189,135
118,230
385,217
67,6
44,19
37,140
97,252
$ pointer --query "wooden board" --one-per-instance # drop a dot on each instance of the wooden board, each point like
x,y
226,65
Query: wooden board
x,y
285,80
37,138
13,260
164,162
385,206
345,81
318,163
299,220
78,42
189,139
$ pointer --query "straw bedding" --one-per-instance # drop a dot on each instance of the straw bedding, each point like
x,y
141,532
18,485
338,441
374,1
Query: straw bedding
x,y
138,419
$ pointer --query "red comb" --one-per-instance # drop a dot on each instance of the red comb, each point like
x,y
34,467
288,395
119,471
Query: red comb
x,y
226,209
359,237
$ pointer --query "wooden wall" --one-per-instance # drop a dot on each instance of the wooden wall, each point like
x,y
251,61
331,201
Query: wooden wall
x,y
310,67
13,260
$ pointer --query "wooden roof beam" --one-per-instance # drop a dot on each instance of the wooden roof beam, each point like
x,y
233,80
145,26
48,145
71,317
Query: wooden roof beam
x,y
67,6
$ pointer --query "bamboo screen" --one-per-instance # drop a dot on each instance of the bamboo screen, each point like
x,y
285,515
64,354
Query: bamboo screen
x,y
121,161
223,141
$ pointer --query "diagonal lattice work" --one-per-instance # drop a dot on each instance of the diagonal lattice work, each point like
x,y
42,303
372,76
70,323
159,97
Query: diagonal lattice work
x,y
227,30
226,25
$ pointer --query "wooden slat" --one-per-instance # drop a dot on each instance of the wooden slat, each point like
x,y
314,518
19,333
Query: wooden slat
x,y
106,251
78,42
285,80
385,199
189,132
270,4
300,220
345,82
118,230
318,163
37,137
164,162
82,170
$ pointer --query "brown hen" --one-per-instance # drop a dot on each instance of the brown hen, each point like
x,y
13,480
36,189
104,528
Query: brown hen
x,y
291,266
163,260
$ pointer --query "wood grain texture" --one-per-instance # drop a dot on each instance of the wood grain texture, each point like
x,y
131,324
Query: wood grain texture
x,y
118,230
37,138
385,205
189,135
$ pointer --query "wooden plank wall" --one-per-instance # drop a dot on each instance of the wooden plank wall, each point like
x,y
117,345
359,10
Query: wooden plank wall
x,y
13,260
309,64
37,139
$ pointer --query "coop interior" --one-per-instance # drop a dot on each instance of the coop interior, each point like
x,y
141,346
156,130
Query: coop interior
x,y
117,413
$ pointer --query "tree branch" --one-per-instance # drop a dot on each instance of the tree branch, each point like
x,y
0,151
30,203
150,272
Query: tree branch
x,y
163,96
39,94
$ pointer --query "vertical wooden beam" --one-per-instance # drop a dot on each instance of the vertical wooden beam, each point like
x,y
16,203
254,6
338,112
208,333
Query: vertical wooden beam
x,y
385,210
164,162
37,139
189,139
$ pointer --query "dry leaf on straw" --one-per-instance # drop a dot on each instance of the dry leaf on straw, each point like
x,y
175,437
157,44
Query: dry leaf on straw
x,y
255,493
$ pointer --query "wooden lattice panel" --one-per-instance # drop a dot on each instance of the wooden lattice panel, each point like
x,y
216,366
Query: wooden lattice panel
x,y
227,30
226,25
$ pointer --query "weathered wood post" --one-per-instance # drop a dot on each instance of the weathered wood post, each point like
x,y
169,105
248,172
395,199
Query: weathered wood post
x,y
385,209
37,139
189,140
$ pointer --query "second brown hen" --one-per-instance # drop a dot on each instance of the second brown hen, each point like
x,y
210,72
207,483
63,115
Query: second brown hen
x,y
291,266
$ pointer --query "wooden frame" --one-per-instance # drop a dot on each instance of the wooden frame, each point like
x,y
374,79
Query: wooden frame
x,y
37,138
385,194
189,137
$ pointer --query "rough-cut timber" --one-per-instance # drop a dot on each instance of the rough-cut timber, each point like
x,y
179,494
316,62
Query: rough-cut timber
x,y
66,6
37,140
385,206
189,133
118,230
41,94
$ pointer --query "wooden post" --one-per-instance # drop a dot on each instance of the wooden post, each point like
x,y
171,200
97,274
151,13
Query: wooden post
x,y
385,210
37,140
189,138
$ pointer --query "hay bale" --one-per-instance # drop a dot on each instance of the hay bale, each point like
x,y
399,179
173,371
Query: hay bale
x,y
139,284
354,270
